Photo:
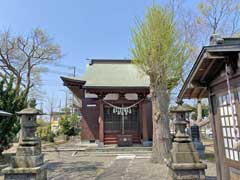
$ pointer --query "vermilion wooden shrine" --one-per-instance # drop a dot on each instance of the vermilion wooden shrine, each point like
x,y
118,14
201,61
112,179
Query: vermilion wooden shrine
x,y
113,98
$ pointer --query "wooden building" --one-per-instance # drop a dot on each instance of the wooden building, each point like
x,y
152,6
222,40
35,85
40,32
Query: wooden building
x,y
113,100
216,76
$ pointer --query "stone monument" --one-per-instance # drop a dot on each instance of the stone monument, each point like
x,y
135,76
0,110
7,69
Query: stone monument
x,y
198,145
184,160
28,164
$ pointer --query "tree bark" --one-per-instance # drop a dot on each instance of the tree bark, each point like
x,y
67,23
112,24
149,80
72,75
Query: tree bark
x,y
199,110
161,131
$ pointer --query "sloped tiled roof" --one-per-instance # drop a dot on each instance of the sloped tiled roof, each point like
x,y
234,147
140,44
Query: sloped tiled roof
x,y
113,73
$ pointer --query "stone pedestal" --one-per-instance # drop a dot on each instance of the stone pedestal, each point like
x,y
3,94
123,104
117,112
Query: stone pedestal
x,y
35,173
28,164
184,162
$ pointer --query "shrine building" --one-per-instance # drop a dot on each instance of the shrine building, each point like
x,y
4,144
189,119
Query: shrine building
x,y
113,99
216,76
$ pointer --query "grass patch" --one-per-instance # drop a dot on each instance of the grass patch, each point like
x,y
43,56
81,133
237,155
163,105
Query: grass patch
x,y
99,171
210,157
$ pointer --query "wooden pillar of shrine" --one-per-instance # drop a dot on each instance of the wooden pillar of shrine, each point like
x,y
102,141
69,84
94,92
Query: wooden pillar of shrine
x,y
144,121
101,119
143,117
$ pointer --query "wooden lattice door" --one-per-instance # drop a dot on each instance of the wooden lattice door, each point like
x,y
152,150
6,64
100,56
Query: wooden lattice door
x,y
121,124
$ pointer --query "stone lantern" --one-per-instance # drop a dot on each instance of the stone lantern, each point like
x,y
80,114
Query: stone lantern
x,y
181,117
28,162
184,162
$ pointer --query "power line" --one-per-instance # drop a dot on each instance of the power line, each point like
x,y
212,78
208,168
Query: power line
x,y
68,66
59,72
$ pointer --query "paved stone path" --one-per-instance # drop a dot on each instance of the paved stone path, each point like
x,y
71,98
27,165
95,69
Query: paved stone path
x,y
140,168
67,165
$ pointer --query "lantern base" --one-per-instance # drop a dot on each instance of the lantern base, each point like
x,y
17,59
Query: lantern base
x,y
185,163
35,173
187,171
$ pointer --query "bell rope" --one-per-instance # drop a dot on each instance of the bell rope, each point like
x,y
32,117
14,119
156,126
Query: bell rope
x,y
122,110
236,138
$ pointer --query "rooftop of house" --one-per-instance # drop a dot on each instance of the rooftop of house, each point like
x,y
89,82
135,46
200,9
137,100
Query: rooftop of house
x,y
209,63
111,73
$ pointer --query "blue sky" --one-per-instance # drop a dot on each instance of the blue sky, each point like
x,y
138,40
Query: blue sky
x,y
83,28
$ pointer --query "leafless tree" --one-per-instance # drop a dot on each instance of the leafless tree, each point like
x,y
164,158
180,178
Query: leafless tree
x,y
219,17
22,56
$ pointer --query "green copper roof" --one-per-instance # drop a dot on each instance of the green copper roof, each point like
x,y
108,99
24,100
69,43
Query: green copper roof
x,y
114,73
30,111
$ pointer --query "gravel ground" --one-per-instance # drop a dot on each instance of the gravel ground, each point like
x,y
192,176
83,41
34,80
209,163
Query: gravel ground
x,y
82,166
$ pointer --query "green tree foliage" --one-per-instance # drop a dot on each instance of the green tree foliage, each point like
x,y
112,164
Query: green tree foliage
x,y
64,123
43,129
205,111
75,123
12,100
160,53
69,123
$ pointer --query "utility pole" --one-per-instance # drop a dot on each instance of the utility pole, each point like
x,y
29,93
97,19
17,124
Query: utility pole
x,y
74,71
74,75
51,114
60,105
66,101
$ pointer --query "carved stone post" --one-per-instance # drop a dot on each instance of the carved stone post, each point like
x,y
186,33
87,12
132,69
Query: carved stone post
x,y
184,161
28,164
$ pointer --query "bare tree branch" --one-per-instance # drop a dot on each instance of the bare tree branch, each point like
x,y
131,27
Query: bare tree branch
x,y
20,55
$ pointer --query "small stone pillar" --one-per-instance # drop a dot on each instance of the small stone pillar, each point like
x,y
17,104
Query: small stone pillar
x,y
184,160
28,164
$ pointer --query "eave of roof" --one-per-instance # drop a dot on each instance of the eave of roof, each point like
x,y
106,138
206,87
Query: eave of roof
x,y
95,61
72,80
3,113
202,55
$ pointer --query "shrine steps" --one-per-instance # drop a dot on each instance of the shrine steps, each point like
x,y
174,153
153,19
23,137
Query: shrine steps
x,y
112,139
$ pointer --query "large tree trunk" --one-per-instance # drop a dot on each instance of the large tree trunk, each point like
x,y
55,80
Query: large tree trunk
x,y
161,131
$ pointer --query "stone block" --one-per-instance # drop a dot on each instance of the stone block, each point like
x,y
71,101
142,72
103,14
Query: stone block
x,y
187,175
27,161
182,147
36,173
147,143
185,157
28,150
